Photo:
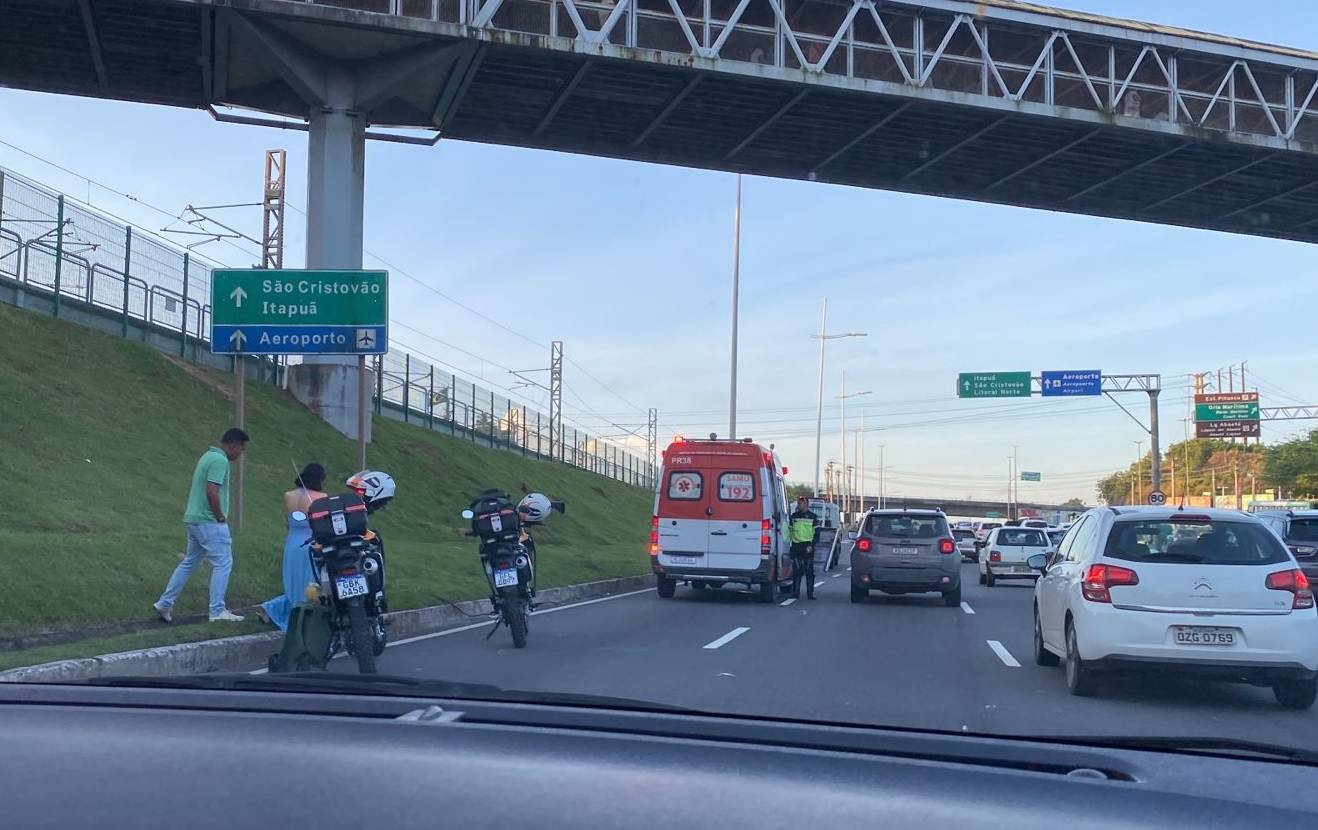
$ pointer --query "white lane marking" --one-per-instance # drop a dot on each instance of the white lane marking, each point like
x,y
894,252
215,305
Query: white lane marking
x,y
965,606
727,638
820,582
838,576
490,622
1003,655
787,602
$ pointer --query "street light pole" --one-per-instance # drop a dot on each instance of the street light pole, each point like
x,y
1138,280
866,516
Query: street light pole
x,y
1139,459
736,279
842,430
822,337
881,471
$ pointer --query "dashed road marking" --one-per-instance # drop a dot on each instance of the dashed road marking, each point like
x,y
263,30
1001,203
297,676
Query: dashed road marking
x,y
787,602
965,606
727,638
820,582
1003,655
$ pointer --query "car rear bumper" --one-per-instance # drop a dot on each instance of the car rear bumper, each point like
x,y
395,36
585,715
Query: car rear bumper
x,y
906,579
689,572
1247,671
1011,570
1107,633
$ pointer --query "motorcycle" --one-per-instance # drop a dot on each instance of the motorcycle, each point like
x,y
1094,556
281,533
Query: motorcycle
x,y
348,561
507,554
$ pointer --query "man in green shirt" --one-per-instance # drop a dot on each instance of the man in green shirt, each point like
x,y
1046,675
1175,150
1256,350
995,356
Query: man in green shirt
x,y
802,530
206,519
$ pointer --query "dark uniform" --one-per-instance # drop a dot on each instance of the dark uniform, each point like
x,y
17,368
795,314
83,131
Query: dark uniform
x,y
803,526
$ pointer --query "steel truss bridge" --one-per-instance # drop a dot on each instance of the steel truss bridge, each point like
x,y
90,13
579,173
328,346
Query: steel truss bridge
x,y
995,101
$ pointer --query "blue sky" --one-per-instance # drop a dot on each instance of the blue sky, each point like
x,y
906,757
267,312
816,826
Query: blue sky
x,y
629,264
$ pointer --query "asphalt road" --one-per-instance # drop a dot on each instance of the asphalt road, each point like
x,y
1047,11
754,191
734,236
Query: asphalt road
x,y
895,660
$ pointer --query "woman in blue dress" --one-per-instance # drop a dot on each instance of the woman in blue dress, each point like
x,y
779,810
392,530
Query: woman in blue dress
x,y
297,564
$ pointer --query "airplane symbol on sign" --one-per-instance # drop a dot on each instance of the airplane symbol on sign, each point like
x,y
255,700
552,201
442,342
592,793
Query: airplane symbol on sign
x,y
365,338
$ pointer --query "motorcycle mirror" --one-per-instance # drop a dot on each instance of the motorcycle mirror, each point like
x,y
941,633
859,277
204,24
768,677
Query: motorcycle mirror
x,y
298,516
467,514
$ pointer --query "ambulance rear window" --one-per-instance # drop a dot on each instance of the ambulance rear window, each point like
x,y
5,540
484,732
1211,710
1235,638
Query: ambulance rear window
x,y
736,487
686,485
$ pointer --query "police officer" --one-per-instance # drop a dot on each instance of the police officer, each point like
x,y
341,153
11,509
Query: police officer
x,y
802,528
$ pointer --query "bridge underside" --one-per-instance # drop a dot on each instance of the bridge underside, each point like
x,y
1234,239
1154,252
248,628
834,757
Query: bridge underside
x,y
555,93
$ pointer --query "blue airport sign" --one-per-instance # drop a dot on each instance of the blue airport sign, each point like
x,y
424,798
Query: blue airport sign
x,y
1071,383
298,339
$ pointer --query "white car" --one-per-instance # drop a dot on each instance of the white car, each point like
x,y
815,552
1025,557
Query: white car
x,y
1006,554
1212,593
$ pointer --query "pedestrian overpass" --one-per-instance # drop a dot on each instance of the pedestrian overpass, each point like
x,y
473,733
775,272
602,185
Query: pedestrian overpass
x,y
997,101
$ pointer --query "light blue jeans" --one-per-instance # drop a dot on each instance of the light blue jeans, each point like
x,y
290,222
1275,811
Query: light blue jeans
x,y
211,541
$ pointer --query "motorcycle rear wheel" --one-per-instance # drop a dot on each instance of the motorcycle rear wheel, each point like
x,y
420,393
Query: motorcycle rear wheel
x,y
517,622
359,630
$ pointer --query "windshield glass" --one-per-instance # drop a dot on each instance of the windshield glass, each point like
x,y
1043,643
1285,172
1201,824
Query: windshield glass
x,y
1302,530
1195,542
1012,536
287,287
912,527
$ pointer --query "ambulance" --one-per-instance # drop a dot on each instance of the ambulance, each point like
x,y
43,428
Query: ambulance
x,y
721,516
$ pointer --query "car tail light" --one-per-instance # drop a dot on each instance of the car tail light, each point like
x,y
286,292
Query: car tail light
x,y
863,545
765,540
946,546
1099,578
654,535
1294,581
995,556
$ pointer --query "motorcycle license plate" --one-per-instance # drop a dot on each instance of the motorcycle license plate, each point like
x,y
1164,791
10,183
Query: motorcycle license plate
x,y
350,586
505,578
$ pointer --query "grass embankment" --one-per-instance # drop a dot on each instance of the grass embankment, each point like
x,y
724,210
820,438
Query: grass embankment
x,y
100,436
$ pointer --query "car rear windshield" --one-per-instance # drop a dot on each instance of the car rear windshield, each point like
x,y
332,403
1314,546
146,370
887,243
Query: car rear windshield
x,y
1303,530
963,534
1021,536
1195,543
906,527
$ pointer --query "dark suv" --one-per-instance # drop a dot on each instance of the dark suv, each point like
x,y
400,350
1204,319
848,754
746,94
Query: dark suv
x,y
1299,530
904,552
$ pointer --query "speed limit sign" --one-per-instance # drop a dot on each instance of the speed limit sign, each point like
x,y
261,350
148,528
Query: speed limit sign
x,y
1157,498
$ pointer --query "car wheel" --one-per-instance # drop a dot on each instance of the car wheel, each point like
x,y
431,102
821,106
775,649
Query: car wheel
x,y
981,577
666,587
699,586
858,594
1042,656
952,598
1080,679
768,592
989,579
1296,694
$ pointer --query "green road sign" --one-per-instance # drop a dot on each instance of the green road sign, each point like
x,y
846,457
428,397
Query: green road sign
x,y
993,514
1028,476
299,298
993,385
1227,406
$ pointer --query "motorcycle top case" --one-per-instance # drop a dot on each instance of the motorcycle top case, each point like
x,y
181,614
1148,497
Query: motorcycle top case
x,y
334,517
496,518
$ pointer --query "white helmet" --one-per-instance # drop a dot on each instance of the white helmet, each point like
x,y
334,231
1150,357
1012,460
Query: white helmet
x,y
375,488
534,507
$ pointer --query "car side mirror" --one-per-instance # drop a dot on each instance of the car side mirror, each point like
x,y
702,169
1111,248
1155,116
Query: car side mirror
x,y
1038,562
298,516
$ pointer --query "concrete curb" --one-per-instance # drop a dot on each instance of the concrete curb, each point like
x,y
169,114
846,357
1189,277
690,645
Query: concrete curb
x,y
242,653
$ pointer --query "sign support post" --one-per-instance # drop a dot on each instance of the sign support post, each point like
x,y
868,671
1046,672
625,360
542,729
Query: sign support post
x,y
361,412
235,516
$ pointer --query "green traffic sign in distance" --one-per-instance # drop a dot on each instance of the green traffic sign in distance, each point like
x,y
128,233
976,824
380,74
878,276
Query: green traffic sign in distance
x,y
1233,411
299,298
993,385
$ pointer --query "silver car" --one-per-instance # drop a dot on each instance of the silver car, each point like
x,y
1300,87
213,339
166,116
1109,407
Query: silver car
x,y
903,552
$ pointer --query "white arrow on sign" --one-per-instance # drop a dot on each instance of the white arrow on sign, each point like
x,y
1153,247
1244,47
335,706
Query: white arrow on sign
x,y
237,339
238,295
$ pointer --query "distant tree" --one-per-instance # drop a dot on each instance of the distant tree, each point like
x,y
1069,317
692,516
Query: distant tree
x,y
795,491
1293,465
1074,503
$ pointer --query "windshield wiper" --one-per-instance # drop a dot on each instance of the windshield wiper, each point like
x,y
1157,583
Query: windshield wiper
x,y
374,684
1211,746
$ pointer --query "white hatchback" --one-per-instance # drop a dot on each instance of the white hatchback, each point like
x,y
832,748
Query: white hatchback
x,y
1211,593
1007,552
